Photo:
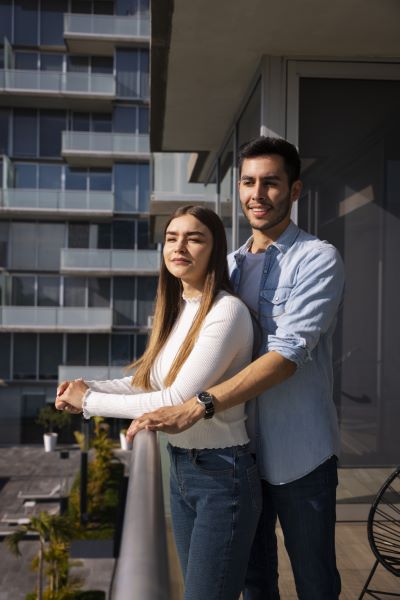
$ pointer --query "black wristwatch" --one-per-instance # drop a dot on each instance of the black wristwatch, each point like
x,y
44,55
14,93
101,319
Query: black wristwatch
x,y
206,400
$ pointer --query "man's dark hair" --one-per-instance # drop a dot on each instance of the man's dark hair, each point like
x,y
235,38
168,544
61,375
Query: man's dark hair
x,y
264,146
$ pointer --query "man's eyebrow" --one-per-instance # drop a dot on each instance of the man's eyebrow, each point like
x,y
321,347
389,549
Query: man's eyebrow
x,y
195,232
266,178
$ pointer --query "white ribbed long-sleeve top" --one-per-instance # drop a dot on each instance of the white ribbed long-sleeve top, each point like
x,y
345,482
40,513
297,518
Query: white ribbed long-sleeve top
x,y
223,347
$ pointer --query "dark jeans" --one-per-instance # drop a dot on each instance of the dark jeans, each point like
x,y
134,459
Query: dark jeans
x,y
215,507
306,511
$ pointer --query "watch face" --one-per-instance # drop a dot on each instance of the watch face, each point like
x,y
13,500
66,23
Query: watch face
x,y
207,400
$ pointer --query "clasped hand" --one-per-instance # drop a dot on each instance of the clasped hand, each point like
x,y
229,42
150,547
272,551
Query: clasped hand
x,y
70,396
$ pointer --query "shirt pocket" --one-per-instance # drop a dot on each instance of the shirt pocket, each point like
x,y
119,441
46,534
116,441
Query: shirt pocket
x,y
273,305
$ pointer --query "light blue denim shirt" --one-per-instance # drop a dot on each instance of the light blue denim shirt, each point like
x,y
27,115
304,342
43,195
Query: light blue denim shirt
x,y
301,288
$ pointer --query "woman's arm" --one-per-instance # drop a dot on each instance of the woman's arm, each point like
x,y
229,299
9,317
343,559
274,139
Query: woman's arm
x,y
227,330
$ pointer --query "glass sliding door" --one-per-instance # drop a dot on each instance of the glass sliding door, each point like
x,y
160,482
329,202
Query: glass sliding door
x,y
348,129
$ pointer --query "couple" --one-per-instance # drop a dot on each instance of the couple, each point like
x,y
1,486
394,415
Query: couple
x,y
198,369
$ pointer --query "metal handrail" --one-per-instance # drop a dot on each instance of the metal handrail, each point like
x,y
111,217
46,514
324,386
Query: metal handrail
x,y
142,569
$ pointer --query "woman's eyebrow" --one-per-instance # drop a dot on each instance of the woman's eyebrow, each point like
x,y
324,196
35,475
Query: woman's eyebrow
x,y
186,233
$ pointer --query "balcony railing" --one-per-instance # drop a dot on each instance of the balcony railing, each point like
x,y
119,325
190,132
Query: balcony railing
x,y
110,26
69,372
68,201
142,566
57,83
105,147
54,318
107,262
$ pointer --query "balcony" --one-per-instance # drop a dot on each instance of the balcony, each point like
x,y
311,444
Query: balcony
x,y
172,190
99,34
80,261
56,203
98,149
56,89
54,318
69,372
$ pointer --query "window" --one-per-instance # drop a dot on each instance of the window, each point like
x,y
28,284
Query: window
x,y
123,235
25,175
144,187
50,355
48,291
103,8
102,64
78,235
5,19
23,290
124,305
24,355
26,60
50,240
4,229
26,22
98,349
74,291
52,123
51,62
122,349
101,122
50,177
25,142
99,292
141,342
75,179
100,180
131,183
52,22
78,64
143,125
4,116
23,245
76,349
146,293
81,6
80,121
100,235
5,345
131,83
143,235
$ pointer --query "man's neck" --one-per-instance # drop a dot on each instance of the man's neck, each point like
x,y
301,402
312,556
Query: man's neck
x,y
263,239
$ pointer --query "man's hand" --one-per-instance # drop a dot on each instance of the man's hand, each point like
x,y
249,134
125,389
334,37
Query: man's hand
x,y
171,419
70,395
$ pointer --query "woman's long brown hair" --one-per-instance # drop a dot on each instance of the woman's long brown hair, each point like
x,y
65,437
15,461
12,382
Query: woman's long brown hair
x,y
169,300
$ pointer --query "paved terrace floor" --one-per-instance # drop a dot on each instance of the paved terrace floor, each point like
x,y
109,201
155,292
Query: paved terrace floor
x,y
24,468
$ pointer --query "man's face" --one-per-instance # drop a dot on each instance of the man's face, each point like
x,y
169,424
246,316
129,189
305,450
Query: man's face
x,y
265,194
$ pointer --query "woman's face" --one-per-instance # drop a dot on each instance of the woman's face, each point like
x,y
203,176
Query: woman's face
x,y
187,249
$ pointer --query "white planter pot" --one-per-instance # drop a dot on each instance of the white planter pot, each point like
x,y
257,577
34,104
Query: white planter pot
x,y
50,441
125,445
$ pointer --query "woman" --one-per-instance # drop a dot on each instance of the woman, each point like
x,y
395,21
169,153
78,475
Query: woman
x,y
201,335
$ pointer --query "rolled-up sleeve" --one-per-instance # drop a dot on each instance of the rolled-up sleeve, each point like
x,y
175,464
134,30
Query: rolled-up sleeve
x,y
312,306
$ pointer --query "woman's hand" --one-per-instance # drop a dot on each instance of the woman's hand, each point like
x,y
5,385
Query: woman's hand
x,y
70,395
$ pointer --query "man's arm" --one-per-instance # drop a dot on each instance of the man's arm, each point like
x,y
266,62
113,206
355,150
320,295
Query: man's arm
x,y
265,372
309,312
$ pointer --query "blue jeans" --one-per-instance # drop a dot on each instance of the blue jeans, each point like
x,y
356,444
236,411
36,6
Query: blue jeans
x,y
215,506
307,513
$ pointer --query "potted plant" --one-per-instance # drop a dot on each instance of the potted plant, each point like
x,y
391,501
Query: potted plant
x,y
125,445
50,418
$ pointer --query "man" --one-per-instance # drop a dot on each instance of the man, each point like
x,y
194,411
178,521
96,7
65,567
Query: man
x,y
294,283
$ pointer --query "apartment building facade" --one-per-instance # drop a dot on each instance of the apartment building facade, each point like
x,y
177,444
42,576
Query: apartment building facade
x,y
77,270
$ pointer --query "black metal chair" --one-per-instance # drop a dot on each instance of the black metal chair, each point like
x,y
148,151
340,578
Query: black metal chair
x,y
384,533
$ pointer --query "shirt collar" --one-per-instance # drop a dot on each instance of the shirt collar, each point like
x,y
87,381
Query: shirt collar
x,y
283,243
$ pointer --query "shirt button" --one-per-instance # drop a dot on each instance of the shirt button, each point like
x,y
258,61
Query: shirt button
x,y
276,297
